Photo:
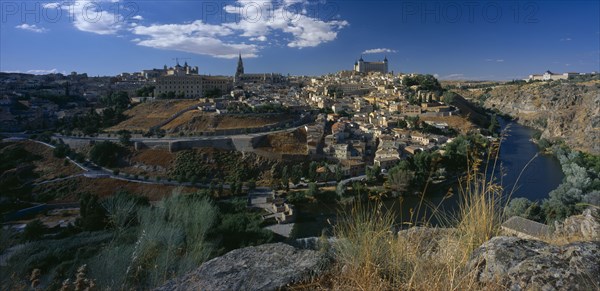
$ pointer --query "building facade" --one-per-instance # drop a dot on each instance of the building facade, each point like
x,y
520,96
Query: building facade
x,y
184,81
260,78
367,67
549,76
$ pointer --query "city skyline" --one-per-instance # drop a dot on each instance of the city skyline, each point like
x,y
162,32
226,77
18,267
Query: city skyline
x,y
452,40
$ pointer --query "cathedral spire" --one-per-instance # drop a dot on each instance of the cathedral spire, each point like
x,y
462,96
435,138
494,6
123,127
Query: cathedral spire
x,y
240,67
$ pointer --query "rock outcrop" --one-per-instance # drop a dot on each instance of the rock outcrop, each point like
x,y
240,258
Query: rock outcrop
x,y
264,267
585,226
518,264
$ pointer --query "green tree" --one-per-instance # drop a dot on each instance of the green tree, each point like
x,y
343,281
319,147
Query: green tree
x,y
285,173
34,230
373,174
340,189
106,154
422,165
359,190
402,123
525,208
61,150
251,185
124,137
312,170
339,175
400,178
449,97
92,214
494,126
296,173
116,99
313,189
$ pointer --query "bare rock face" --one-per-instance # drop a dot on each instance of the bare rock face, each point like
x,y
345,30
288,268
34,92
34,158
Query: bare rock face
x,y
518,264
561,110
264,267
586,225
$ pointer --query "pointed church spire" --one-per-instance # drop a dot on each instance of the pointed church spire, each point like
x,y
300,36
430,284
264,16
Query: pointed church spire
x,y
240,66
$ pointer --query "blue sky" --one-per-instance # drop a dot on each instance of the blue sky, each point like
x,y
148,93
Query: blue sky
x,y
492,40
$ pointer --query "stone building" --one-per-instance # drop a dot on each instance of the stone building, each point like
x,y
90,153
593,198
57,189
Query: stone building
x,y
366,67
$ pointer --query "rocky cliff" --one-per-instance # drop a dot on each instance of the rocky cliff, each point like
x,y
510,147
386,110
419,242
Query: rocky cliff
x,y
561,110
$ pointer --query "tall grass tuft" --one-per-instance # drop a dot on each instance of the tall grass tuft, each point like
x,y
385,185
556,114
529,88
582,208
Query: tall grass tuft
x,y
371,256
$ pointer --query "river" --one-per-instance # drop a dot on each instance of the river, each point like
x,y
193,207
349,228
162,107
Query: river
x,y
541,176
538,176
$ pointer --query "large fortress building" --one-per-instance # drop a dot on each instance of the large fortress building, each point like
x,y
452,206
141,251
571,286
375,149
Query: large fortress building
x,y
366,67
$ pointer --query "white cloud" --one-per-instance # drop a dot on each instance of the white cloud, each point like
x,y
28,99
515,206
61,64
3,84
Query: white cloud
x,y
90,17
52,5
42,72
37,72
379,51
254,21
31,27
565,39
500,61
292,2
261,19
259,38
196,37
453,77
495,60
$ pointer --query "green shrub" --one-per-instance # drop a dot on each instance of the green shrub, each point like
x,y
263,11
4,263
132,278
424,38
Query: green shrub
x,y
34,230
106,154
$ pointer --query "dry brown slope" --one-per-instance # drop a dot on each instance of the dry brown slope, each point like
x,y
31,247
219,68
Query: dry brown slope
x,y
146,115
195,121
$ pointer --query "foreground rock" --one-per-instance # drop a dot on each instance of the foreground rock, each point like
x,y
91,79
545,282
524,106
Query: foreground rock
x,y
264,267
585,226
520,264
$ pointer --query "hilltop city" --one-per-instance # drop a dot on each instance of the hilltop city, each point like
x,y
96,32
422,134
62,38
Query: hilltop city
x,y
168,167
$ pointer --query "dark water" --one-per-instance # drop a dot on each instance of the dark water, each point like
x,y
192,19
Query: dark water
x,y
542,175
538,176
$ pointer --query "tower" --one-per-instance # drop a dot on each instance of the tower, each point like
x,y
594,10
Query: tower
x,y
385,65
240,68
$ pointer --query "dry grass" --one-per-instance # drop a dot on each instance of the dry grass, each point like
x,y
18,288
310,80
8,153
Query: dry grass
x,y
286,142
106,187
49,167
463,124
371,256
146,115
195,121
